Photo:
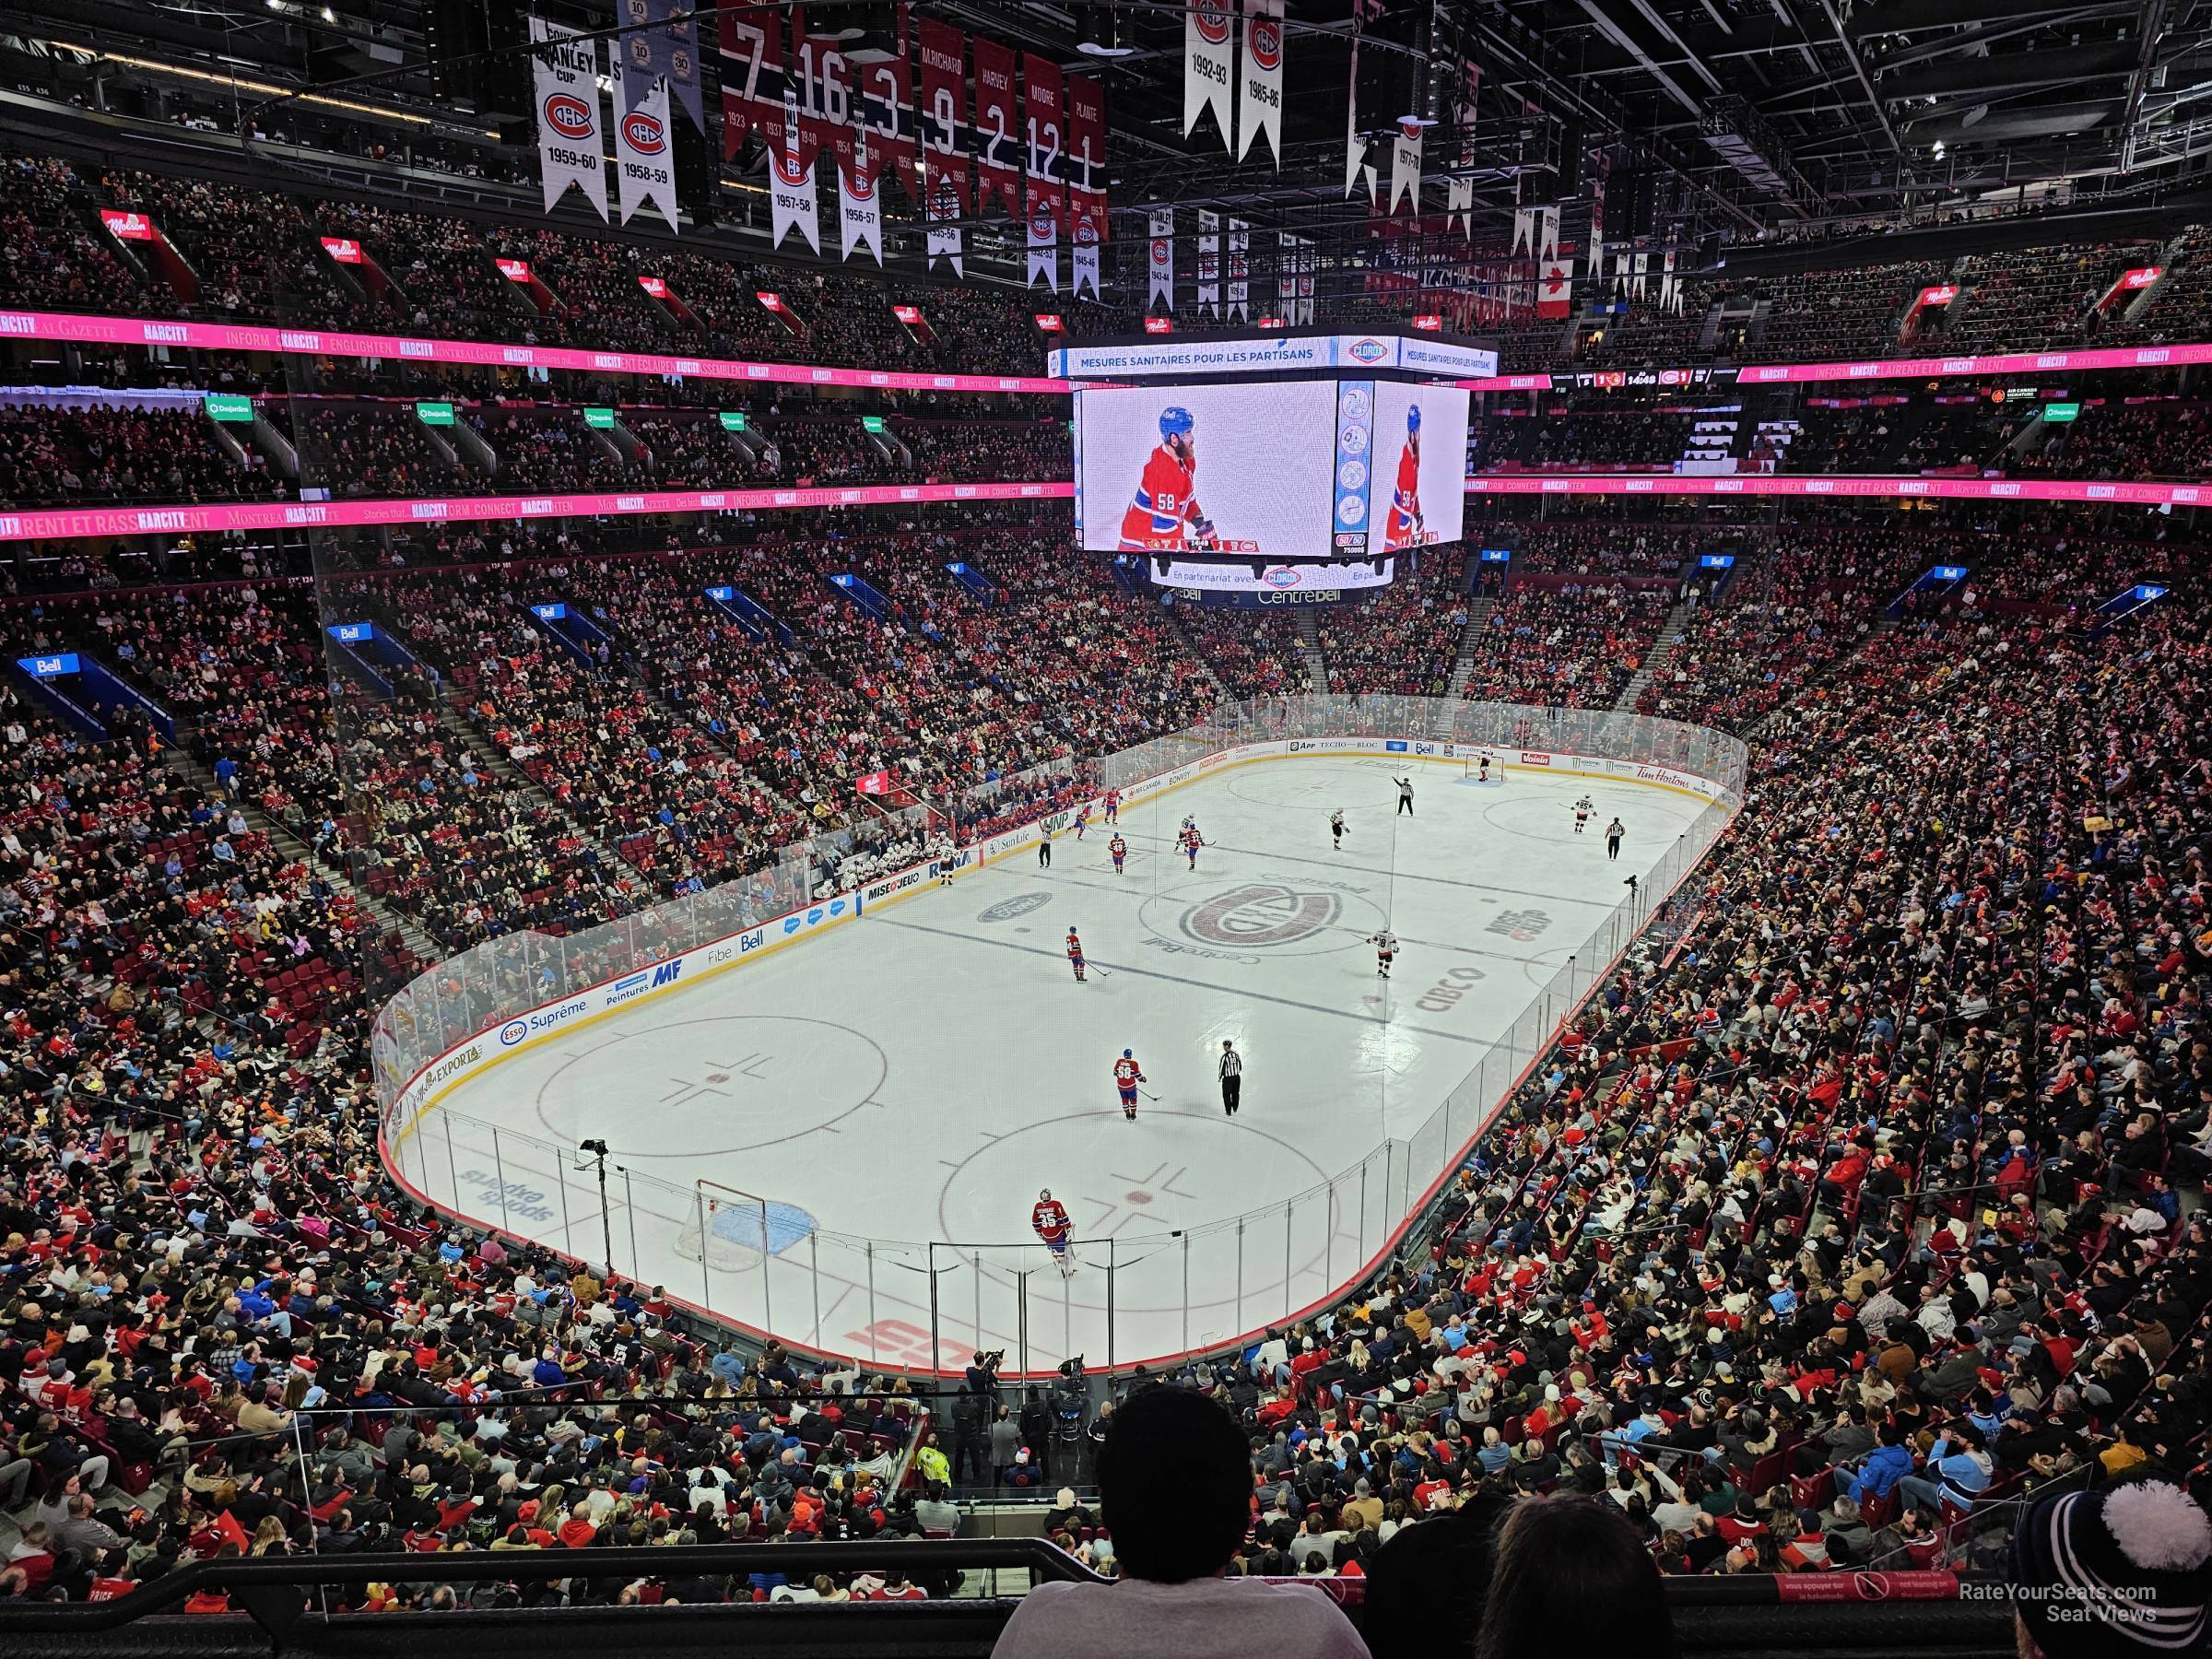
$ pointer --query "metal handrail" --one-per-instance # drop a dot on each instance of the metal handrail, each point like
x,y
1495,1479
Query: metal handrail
x,y
478,1565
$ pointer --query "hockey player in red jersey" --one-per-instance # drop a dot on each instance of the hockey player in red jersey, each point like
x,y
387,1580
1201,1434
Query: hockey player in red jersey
x,y
1165,512
1075,955
1057,1232
1120,849
1191,840
1113,806
1403,528
1127,1075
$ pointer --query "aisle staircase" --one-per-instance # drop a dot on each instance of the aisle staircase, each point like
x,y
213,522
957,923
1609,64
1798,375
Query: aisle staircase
x,y
1655,659
189,767
1190,646
612,864
1309,634
1471,637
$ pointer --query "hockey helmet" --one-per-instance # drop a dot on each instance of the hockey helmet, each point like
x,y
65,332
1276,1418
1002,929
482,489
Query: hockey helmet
x,y
1175,420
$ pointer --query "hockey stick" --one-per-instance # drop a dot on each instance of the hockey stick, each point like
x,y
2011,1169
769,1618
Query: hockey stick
x,y
1102,973
1148,1094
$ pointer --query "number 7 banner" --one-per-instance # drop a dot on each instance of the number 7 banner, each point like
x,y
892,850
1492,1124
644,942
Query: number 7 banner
x,y
750,41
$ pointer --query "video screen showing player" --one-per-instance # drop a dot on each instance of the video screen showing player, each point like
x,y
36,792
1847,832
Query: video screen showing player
x,y
1421,461
1404,525
1164,513
1208,470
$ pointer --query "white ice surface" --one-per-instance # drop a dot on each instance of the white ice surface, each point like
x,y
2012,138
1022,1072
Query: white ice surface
x,y
919,1075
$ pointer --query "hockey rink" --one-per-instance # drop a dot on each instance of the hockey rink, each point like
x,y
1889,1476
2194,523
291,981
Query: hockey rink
x,y
840,1142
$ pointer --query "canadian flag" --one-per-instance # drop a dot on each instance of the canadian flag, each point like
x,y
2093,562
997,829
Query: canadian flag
x,y
1555,282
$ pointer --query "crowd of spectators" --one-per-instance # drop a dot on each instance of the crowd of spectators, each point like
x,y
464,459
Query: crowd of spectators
x,y
2024,298
1252,654
99,453
1573,646
1579,438
1927,1173
369,450
1403,638
49,253
1836,1232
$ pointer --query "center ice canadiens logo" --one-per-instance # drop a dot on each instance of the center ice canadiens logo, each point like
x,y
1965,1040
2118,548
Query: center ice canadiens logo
x,y
1261,913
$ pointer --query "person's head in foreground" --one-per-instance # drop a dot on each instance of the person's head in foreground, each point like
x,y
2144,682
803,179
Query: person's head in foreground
x,y
1570,1576
1175,1492
2100,1575
1174,1485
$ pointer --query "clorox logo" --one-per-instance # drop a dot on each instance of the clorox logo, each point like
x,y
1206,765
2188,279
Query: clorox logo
x,y
1213,24
1022,904
512,1033
643,133
569,115
1261,913
1281,576
1367,351
1265,36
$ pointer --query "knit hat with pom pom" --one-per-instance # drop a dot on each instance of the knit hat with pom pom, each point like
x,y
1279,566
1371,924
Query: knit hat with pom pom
x,y
2104,1573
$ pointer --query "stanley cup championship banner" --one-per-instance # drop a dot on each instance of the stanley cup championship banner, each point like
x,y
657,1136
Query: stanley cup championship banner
x,y
1160,295
1264,77
791,192
1209,51
565,80
1209,264
1240,270
859,213
644,156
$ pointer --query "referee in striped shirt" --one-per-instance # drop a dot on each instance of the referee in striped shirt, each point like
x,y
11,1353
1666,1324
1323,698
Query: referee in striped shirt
x,y
1232,1077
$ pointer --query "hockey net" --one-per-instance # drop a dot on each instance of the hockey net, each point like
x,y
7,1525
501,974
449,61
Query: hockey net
x,y
728,1227
1471,770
